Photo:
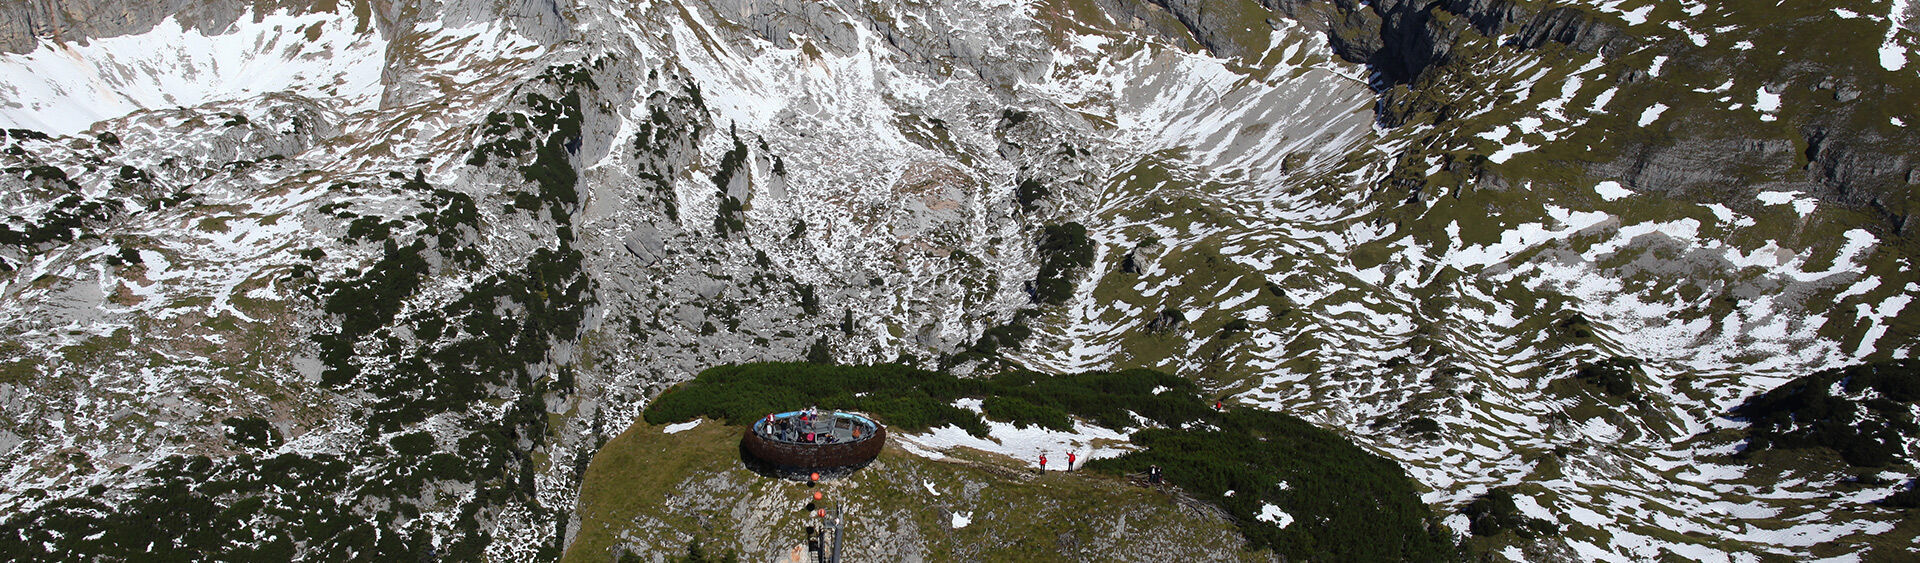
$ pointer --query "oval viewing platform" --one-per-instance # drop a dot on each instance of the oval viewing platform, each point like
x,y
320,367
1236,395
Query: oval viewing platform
x,y
827,440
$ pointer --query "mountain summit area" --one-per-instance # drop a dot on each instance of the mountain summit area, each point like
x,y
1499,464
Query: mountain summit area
x,y
1526,280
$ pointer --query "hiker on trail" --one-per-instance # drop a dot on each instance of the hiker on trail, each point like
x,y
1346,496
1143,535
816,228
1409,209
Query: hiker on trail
x,y
1153,474
1043,462
1070,457
1219,406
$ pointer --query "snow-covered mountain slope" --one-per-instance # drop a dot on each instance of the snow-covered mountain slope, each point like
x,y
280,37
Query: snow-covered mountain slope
x,y
433,256
63,88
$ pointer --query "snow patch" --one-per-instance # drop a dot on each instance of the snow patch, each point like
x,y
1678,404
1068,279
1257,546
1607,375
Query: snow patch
x,y
1652,113
1022,444
1600,102
1801,204
1767,103
682,426
1611,190
1273,515
1637,16
1893,55
1507,152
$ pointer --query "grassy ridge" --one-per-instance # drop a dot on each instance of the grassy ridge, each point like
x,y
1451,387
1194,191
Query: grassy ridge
x,y
1346,503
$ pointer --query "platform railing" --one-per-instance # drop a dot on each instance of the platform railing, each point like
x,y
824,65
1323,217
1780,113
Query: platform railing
x,y
792,431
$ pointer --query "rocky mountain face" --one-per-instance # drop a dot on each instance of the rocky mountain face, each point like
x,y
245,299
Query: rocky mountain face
x,y
298,280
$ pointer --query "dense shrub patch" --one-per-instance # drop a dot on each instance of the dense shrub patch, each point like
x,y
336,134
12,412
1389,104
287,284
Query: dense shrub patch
x,y
1023,413
730,219
1346,504
1065,251
252,432
1008,336
1870,425
674,125
1904,498
1030,192
1612,375
917,399
67,221
1575,326
1495,512
366,303
26,135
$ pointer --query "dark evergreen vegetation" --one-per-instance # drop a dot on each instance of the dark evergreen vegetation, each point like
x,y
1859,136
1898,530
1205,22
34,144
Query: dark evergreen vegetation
x,y
1029,192
917,399
365,303
412,444
1347,504
730,220
26,135
1615,376
1872,430
674,121
1495,512
1065,251
809,302
69,220
252,432
1908,497
1007,336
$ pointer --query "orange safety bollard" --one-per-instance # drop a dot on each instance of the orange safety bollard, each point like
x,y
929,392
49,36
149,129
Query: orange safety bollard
x,y
814,477
822,513
816,495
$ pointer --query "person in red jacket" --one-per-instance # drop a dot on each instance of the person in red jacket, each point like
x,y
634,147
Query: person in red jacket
x,y
1070,457
1043,462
